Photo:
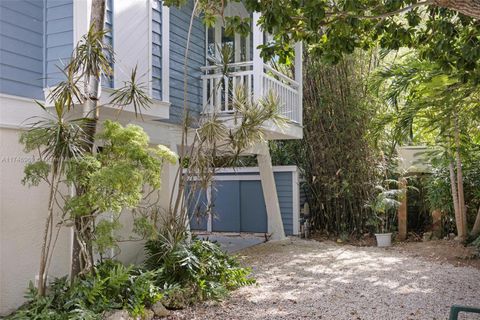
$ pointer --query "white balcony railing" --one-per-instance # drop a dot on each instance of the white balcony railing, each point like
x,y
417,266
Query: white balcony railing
x,y
287,91
218,88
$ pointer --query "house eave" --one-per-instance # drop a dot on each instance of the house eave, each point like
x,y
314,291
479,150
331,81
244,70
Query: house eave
x,y
158,110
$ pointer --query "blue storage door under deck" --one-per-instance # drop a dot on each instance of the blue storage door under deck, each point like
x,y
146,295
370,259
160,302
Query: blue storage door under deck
x,y
197,207
226,209
252,207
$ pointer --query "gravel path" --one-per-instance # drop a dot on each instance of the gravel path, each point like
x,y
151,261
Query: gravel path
x,y
300,279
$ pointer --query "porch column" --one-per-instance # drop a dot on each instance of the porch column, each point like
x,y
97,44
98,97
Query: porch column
x,y
402,210
275,224
299,79
257,59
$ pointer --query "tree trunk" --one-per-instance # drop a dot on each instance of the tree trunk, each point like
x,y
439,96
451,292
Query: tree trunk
x,y
469,8
402,210
476,226
47,235
453,185
42,283
97,19
462,233
75,264
90,111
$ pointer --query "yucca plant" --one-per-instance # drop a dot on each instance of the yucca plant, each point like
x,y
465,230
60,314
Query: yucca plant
x,y
61,140
57,140
212,137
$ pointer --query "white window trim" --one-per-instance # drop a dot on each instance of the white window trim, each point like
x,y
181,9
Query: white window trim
x,y
81,19
295,203
256,169
218,42
150,47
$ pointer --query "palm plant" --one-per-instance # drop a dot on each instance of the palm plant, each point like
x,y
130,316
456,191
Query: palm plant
x,y
211,138
214,140
90,61
429,105
384,205
57,140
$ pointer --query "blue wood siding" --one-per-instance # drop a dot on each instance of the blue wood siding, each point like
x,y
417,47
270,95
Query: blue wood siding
x,y
157,49
179,25
108,40
21,48
283,182
58,38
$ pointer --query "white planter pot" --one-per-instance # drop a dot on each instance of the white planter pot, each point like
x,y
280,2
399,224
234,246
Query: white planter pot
x,y
384,239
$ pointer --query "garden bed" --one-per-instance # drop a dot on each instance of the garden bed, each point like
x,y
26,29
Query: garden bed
x,y
441,251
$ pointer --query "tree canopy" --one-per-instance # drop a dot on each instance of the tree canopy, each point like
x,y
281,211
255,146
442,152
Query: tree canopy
x,y
444,31
334,28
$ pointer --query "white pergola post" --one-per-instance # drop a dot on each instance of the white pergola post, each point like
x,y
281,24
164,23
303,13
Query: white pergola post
x,y
299,79
257,59
275,223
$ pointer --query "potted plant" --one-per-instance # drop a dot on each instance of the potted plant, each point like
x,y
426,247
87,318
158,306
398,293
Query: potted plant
x,y
384,206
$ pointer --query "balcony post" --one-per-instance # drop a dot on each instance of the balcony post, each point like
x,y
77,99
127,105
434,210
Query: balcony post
x,y
269,188
299,79
257,60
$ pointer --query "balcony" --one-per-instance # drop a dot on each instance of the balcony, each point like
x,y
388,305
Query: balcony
x,y
258,78
218,88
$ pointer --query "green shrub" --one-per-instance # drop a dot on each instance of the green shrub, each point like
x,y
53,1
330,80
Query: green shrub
x,y
194,270
476,243
439,196
178,272
39,308
112,286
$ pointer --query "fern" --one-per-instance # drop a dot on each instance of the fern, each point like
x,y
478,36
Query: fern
x,y
200,268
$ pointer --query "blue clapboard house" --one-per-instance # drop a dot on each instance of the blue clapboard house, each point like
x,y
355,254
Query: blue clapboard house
x,y
37,38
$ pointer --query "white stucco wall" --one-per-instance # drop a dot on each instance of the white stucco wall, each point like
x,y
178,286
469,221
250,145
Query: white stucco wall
x,y
23,209
131,252
413,159
22,219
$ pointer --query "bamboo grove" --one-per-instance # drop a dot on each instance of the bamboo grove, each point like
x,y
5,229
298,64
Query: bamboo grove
x,y
336,154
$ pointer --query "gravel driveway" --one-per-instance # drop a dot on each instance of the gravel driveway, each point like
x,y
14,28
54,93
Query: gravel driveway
x,y
300,279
